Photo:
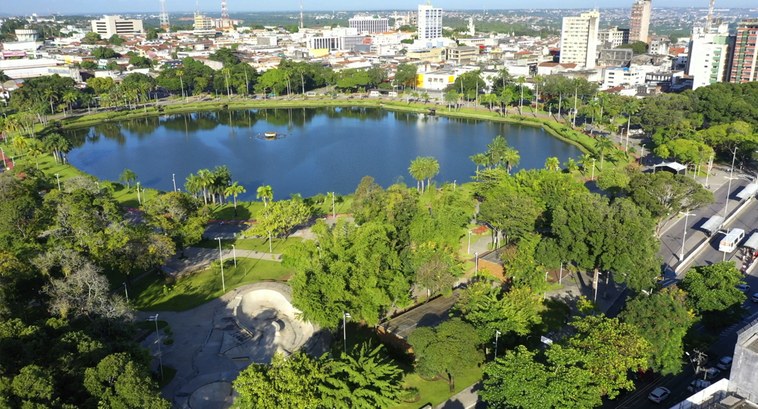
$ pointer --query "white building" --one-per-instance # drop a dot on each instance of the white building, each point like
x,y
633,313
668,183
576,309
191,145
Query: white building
x,y
579,39
110,25
429,22
640,21
613,37
369,24
623,77
708,56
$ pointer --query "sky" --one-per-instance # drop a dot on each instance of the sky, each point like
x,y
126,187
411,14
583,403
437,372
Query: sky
x,y
42,7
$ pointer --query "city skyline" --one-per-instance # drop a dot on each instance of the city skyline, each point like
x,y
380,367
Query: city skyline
x,y
174,6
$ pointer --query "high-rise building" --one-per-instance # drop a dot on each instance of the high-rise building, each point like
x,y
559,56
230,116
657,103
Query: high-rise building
x,y
367,24
110,25
429,22
708,56
613,37
745,57
202,22
640,21
579,39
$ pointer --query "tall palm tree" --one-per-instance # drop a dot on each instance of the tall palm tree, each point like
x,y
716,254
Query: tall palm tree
x,y
205,177
222,177
416,169
234,190
496,150
603,145
70,98
511,158
571,165
57,145
128,176
480,160
521,80
431,168
553,164
192,185
265,193
36,150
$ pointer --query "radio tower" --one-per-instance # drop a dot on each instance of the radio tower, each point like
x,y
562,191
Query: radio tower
x,y
225,15
164,17
301,15
709,18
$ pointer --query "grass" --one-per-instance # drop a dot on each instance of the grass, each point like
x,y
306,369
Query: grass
x,y
436,392
258,244
192,290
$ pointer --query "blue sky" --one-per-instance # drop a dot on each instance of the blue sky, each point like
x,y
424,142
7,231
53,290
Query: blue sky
x,y
110,6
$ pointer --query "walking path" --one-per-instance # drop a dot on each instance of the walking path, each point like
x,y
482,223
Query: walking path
x,y
198,258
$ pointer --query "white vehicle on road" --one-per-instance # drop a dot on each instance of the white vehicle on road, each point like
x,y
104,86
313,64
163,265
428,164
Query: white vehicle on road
x,y
732,239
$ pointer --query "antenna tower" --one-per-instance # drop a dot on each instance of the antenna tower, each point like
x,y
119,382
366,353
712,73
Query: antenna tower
x,y
301,15
165,25
709,19
224,14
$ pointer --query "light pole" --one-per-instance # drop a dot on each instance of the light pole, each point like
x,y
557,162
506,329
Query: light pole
x,y
476,264
154,318
173,179
468,248
334,214
221,261
593,169
497,334
139,198
684,235
234,255
728,193
126,292
58,178
345,316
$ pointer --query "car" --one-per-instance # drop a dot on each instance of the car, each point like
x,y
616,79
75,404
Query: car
x,y
712,373
659,394
698,385
724,363
743,287
754,298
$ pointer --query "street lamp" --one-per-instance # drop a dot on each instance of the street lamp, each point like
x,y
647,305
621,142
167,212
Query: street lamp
x,y
497,334
731,177
139,198
334,214
58,178
684,235
476,264
173,179
345,316
154,318
234,255
468,248
221,261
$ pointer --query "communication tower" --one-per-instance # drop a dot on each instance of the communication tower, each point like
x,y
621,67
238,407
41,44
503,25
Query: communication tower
x,y
165,25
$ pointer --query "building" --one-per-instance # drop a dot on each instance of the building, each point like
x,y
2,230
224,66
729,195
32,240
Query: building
x,y
744,65
429,22
613,37
708,57
110,25
461,55
203,23
640,21
623,77
615,57
365,24
579,39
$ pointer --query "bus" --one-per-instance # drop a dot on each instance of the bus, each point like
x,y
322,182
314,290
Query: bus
x,y
731,240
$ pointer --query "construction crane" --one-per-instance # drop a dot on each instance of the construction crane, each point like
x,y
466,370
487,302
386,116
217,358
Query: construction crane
x,y
165,25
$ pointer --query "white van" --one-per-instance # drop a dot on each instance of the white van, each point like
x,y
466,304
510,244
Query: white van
x,y
731,240
374,94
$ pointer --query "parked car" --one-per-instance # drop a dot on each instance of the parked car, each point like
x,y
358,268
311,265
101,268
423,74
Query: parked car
x,y
743,287
698,385
724,363
754,298
659,394
712,373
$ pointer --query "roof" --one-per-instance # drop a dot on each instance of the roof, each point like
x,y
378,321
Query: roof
x,y
676,166
752,241
748,191
713,224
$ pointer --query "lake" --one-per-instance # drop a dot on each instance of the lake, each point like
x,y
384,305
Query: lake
x,y
316,150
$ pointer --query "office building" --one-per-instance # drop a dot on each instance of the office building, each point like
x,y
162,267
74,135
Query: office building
x,y
579,39
203,23
461,55
613,37
110,25
369,24
744,66
429,22
640,21
708,56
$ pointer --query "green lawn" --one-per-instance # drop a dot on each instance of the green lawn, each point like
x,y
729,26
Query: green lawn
x,y
256,244
198,288
436,392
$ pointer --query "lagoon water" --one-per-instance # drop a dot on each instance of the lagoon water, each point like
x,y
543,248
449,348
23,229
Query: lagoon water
x,y
316,151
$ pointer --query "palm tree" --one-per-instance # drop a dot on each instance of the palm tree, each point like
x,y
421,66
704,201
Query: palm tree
x,y
205,177
265,193
496,150
416,169
57,145
222,177
431,169
36,150
234,190
506,97
480,159
603,145
511,158
128,176
193,185
521,81
50,95
553,164
70,98
20,144
586,161
571,165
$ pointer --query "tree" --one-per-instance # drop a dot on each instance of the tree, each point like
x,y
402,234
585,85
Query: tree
x,y
179,216
417,172
35,385
603,146
445,350
663,319
510,212
128,176
368,200
234,190
118,381
363,379
288,383
436,275
553,164
637,47
265,193
713,288
665,194
91,38
451,98
405,75
85,293
480,160
104,53
116,40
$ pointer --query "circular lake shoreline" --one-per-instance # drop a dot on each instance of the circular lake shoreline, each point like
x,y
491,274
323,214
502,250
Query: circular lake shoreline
x,y
322,149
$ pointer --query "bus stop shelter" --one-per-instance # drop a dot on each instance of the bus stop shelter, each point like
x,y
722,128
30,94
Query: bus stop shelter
x,y
748,191
713,224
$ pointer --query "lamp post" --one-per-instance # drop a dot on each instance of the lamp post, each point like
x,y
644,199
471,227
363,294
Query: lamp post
x,y
468,248
334,214
234,255
593,169
497,334
221,261
139,198
476,264
126,292
173,179
684,235
345,316
154,318
728,193
58,179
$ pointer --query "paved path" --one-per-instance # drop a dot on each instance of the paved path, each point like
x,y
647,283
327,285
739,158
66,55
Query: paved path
x,y
197,258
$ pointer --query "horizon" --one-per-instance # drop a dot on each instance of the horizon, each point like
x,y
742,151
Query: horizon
x,y
84,7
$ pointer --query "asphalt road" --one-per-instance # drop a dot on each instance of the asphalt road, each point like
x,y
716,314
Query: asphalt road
x,y
747,220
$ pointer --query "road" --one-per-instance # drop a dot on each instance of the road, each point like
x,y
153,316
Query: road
x,y
747,220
